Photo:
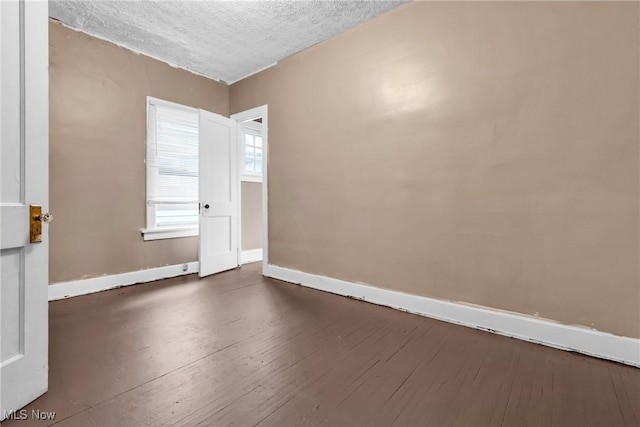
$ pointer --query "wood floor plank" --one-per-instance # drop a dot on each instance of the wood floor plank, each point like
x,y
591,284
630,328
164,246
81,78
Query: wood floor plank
x,y
407,395
478,396
350,368
240,349
235,369
631,384
435,375
626,410
297,377
346,379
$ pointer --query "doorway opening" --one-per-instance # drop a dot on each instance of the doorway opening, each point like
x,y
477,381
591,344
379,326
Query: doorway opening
x,y
252,175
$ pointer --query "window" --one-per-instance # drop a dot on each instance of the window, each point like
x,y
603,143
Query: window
x,y
252,153
172,170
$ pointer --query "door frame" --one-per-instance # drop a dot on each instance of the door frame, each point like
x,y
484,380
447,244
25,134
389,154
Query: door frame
x,y
243,116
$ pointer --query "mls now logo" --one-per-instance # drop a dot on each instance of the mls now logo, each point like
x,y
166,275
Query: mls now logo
x,y
15,415
23,414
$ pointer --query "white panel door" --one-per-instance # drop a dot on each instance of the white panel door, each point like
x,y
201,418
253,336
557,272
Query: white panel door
x,y
24,176
218,250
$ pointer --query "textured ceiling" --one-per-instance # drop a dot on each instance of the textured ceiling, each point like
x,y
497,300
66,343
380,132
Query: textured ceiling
x,y
225,40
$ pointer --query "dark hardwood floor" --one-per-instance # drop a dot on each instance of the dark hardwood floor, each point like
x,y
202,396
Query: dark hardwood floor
x,y
239,349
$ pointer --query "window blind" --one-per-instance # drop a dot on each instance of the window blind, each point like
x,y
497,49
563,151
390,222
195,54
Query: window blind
x,y
172,166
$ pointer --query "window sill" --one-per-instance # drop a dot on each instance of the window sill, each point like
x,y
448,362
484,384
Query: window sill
x,y
250,178
169,233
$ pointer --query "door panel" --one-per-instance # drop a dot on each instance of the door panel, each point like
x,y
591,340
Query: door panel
x,y
220,226
24,178
218,249
12,286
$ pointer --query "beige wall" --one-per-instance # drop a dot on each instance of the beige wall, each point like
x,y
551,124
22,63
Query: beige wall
x,y
251,210
97,150
476,152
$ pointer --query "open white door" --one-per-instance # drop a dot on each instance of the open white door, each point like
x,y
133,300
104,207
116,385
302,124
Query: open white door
x,y
218,250
24,174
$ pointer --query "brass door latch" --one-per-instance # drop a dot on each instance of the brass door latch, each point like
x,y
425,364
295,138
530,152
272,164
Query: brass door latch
x,y
36,219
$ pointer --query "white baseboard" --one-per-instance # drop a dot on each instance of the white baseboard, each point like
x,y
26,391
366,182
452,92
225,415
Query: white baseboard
x,y
546,332
250,255
96,284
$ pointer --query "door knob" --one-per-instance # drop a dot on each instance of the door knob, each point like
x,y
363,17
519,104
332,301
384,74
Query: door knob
x,y
44,218
36,219
206,206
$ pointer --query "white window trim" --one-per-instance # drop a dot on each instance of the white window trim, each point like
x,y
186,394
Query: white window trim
x,y
152,233
169,233
244,176
251,178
